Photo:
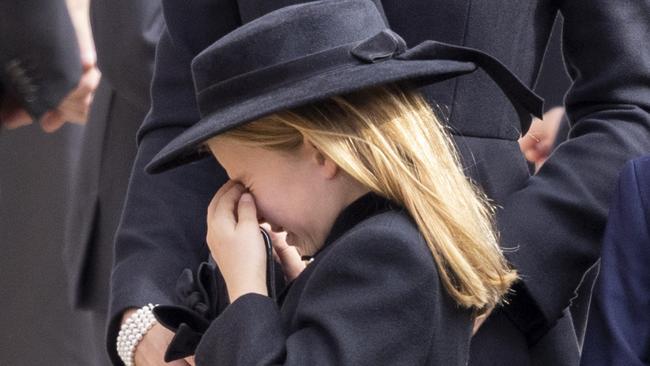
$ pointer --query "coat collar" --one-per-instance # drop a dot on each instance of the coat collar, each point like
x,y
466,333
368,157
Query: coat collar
x,y
368,205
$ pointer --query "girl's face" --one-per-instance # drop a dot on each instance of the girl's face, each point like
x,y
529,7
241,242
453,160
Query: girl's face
x,y
300,192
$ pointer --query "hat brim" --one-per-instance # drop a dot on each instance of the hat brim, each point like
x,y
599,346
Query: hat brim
x,y
184,148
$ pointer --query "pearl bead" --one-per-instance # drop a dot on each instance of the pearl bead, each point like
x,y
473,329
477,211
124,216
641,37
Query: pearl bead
x,y
132,331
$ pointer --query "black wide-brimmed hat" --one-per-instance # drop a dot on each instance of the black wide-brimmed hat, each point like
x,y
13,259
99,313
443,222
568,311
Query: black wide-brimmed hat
x,y
308,52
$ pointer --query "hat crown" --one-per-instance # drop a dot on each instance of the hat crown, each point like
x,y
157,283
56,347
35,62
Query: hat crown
x,y
284,35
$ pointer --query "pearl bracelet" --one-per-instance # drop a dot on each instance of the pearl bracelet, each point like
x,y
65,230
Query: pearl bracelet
x,y
132,331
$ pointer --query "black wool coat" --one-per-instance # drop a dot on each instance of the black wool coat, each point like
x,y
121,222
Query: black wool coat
x,y
371,296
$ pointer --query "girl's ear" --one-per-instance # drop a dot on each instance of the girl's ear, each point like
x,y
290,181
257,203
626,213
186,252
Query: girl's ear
x,y
324,164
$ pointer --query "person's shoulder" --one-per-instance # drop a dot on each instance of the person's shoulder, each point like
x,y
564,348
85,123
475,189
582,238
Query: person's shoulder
x,y
394,224
390,239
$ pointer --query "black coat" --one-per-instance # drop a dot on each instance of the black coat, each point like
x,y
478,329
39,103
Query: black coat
x,y
39,55
554,219
371,296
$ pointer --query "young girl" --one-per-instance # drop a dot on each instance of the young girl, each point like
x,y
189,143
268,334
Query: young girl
x,y
364,180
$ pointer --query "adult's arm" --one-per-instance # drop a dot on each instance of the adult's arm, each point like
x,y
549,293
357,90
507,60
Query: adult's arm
x,y
618,332
163,226
39,55
557,220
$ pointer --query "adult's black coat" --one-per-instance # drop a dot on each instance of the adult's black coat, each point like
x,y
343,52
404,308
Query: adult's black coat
x,y
554,220
39,55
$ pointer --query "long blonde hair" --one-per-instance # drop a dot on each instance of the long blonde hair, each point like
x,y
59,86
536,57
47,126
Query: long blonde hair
x,y
389,140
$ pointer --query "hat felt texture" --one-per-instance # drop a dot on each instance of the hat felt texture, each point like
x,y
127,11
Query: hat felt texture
x,y
312,51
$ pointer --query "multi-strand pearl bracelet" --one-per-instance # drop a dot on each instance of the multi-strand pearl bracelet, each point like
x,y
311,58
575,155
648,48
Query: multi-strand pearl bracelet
x,y
132,331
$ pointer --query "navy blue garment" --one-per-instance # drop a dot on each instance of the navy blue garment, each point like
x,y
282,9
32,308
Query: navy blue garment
x,y
618,329
555,219
371,296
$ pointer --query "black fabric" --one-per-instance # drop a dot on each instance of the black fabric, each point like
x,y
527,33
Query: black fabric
x,y
371,296
39,55
555,219
330,48
203,296
253,9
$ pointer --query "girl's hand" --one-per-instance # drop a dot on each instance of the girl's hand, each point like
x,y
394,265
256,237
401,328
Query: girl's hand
x,y
235,241
287,255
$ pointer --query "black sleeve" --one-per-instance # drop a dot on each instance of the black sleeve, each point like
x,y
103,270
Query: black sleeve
x,y
374,299
39,55
556,221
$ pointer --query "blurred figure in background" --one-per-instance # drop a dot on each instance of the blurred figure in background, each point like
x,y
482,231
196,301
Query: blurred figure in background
x,y
46,77
43,76
125,34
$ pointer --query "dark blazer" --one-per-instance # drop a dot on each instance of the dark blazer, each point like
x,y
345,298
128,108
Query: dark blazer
x,y
618,331
555,219
371,296
39,55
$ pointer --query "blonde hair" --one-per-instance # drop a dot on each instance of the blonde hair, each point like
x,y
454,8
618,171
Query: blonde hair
x,y
388,139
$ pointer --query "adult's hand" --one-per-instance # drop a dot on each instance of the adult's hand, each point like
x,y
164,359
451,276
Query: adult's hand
x,y
75,106
12,113
537,144
150,351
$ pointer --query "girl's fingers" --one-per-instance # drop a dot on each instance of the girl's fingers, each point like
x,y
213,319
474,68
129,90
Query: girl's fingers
x,y
224,212
246,210
226,186
228,201
276,257
279,240
292,263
